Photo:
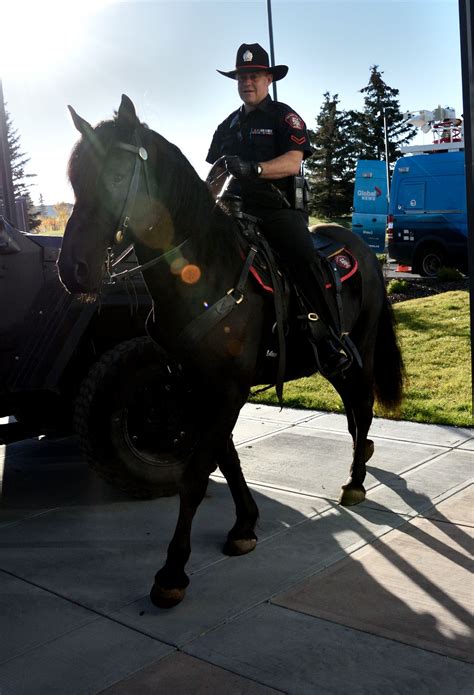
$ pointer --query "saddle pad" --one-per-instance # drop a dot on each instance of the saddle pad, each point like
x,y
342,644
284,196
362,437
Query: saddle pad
x,y
324,245
342,262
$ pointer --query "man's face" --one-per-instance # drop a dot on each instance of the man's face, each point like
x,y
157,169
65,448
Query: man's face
x,y
253,87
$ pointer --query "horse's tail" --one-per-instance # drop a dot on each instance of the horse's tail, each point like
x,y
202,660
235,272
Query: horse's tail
x,y
389,371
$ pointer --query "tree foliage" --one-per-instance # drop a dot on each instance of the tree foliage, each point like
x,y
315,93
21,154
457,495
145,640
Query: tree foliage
x,y
63,211
367,127
330,167
20,176
343,137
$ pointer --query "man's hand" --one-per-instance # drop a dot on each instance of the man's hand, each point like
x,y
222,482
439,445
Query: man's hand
x,y
244,171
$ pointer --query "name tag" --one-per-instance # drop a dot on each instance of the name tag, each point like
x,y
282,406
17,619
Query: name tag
x,y
261,131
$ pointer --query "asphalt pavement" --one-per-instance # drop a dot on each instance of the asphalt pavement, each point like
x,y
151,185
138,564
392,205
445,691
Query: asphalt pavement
x,y
373,599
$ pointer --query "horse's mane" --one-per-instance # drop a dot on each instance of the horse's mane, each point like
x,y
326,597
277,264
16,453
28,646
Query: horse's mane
x,y
187,198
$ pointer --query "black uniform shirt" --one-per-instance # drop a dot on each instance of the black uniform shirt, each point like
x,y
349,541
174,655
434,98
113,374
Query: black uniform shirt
x,y
266,132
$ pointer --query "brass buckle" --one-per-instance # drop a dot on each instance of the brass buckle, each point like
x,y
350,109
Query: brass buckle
x,y
240,299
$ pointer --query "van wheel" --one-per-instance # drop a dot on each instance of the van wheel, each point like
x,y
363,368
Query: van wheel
x,y
428,261
134,419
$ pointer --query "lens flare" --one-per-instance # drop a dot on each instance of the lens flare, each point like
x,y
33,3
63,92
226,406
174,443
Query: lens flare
x,y
190,274
177,265
234,347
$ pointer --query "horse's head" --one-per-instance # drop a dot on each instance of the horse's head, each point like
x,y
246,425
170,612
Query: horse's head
x,y
109,174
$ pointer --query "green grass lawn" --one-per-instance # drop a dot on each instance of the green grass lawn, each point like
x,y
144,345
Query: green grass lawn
x,y
345,221
55,232
435,338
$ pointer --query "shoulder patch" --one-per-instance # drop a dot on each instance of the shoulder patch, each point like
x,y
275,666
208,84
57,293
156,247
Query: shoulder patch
x,y
294,121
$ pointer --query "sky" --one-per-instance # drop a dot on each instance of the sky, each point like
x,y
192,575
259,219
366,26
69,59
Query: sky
x,y
164,56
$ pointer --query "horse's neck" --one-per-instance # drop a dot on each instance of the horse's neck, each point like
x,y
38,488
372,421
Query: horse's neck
x,y
199,270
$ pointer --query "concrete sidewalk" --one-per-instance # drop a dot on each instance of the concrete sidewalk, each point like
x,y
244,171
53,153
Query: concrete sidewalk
x,y
372,599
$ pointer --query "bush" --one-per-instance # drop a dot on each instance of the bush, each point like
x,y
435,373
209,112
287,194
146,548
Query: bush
x,y
382,258
449,275
397,287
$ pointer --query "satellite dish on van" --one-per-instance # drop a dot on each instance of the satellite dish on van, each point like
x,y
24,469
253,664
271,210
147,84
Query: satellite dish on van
x,y
442,122
420,119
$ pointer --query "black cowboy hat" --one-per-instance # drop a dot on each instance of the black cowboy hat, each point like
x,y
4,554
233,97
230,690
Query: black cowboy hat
x,y
251,57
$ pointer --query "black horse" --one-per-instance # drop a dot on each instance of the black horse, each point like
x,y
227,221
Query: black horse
x,y
130,182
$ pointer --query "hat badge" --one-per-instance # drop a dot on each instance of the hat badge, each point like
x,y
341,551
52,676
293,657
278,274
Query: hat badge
x,y
248,55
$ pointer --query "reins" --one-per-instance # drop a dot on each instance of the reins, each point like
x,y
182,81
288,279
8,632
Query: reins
x,y
138,268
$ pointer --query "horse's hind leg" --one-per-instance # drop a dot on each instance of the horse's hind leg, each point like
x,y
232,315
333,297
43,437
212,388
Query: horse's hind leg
x,y
357,395
241,538
352,427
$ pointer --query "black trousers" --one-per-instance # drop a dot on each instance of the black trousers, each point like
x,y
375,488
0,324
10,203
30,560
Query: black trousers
x,y
287,232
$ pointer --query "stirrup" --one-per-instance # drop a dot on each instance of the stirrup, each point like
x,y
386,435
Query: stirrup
x,y
336,345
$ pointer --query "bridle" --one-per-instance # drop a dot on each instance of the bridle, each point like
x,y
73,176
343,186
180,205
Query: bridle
x,y
125,217
141,159
121,233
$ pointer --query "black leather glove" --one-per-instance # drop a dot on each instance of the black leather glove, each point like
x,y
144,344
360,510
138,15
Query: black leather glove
x,y
244,171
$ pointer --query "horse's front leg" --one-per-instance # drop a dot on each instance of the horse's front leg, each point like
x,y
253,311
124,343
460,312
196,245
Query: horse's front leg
x,y
171,580
241,538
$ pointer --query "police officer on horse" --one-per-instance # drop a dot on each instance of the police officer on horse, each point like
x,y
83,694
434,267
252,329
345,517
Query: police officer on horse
x,y
264,143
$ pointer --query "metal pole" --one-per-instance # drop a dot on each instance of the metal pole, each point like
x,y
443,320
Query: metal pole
x,y
466,19
5,167
272,51
387,163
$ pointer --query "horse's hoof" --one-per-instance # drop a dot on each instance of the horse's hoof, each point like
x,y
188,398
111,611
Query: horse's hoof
x,y
239,547
166,598
351,496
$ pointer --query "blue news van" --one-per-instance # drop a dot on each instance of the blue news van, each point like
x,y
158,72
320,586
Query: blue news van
x,y
370,206
427,223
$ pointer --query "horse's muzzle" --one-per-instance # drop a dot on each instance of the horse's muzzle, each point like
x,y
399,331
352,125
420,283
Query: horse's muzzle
x,y
75,276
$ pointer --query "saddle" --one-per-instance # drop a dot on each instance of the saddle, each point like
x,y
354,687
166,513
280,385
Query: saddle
x,y
268,270
262,264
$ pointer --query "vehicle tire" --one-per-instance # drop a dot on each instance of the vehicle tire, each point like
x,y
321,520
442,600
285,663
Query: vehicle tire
x,y
133,416
428,261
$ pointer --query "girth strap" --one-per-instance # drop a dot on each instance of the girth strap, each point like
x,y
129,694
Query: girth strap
x,y
202,324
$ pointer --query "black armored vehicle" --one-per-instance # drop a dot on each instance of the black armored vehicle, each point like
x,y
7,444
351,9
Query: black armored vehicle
x,y
65,372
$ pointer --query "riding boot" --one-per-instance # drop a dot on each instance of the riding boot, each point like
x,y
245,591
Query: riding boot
x,y
331,352
333,355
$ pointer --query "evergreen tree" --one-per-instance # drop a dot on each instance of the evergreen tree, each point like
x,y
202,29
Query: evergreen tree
x,y
330,169
18,162
41,206
366,128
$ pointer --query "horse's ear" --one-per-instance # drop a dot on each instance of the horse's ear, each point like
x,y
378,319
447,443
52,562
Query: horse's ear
x,y
126,117
82,125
